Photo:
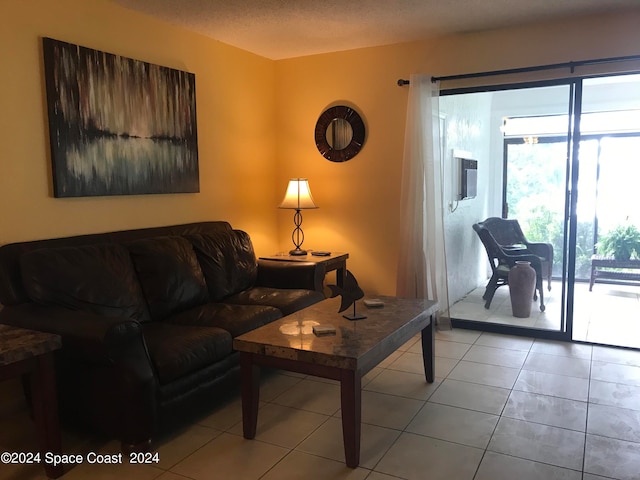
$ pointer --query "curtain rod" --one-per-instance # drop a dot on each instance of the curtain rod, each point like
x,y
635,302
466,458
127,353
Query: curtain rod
x,y
553,66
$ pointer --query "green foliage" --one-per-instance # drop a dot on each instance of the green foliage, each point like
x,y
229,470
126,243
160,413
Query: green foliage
x,y
621,242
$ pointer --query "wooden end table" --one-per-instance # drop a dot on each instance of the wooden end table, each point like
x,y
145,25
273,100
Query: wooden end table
x,y
335,261
357,347
30,353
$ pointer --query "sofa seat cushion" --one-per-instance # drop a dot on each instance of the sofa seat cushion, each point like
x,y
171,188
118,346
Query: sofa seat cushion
x,y
235,319
170,275
287,300
96,278
178,350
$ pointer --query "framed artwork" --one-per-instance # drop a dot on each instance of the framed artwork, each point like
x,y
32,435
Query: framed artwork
x,y
118,126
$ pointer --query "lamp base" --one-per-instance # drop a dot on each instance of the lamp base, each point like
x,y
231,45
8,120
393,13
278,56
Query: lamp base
x,y
297,251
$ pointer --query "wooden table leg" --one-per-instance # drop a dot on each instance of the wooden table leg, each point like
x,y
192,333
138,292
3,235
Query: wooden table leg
x,y
341,272
351,403
45,410
429,350
250,387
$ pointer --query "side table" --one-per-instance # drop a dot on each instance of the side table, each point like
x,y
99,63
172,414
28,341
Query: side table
x,y
335,261
30,353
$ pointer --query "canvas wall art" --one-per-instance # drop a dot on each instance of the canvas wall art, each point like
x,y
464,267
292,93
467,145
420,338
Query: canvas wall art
x,y
118,126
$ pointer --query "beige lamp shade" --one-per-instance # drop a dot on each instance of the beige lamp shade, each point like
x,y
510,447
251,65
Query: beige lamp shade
x,y
298,195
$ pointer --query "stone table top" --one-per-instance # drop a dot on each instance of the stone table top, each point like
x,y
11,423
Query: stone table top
x,y
355,345
18,344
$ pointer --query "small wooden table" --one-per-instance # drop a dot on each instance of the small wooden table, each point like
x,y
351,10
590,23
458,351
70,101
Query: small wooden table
x,y
357,347
335,261
601,268
27,352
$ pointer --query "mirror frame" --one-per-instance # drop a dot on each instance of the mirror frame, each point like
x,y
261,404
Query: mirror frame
x,y
357,140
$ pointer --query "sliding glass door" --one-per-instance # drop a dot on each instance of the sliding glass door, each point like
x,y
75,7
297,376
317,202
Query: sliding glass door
x,y
563,160
524,166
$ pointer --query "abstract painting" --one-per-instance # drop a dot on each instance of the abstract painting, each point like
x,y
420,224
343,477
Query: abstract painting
x,y
118,126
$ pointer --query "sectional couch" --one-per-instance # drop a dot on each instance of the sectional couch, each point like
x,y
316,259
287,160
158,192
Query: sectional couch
x,y
147,317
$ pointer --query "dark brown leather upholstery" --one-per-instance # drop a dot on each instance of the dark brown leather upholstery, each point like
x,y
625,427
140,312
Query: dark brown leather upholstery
x,y
147,317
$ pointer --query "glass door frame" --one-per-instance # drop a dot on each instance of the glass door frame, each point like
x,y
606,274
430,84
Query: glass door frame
x,y
570,218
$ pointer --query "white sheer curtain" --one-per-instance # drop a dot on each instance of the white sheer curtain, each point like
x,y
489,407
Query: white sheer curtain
x,y
422,267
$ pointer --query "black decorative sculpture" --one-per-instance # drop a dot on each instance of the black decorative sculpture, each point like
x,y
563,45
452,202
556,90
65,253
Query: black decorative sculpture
x,y
350,293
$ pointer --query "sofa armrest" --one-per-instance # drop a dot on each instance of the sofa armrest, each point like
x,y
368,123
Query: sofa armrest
x,y
107,360
95,337
283,274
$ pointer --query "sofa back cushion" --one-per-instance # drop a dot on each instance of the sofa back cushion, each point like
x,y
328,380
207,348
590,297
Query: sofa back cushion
x,y
228,262
96,278
170,275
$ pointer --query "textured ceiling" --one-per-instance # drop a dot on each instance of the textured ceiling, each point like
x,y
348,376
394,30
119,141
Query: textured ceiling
x,y
280,29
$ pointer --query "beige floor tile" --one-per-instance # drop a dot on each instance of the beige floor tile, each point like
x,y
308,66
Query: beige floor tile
x,y
283,426
224,415
415,457
327,442
380,476
403,384
612,458
616,373
458,335
614,394
616,355
389,411
496,466
571,367
548,410
454,424
444,366
230,456
123,471
311,395
175,447
565,349
23,472
455,350
408,362
492,375
481,398
540,443
572,388
508,342
275,384
410,343
171,476
299,465
614,422
496,356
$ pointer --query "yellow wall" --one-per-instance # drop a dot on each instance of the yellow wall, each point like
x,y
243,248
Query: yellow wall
x,y
235,110
359,199
256,120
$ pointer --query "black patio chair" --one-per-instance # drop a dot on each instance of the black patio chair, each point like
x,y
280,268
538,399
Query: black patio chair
x,y
509,235
502,260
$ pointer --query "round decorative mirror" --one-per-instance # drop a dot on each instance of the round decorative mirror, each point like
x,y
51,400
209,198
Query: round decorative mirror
x,y
339,133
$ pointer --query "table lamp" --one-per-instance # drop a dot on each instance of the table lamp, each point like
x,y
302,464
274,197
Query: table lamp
x,y
298,197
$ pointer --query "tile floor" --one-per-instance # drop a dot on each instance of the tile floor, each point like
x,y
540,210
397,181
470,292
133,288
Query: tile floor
x,y
501,408
609,314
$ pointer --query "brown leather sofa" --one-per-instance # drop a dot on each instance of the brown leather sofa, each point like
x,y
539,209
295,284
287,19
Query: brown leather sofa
x,y
147,317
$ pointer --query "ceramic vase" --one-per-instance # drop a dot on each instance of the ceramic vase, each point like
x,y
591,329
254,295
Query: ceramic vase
x,y
522,284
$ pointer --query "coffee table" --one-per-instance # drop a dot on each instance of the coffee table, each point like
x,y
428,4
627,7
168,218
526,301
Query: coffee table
x,y
356,347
